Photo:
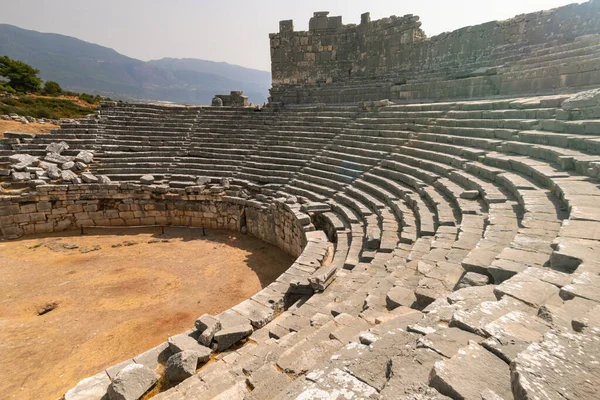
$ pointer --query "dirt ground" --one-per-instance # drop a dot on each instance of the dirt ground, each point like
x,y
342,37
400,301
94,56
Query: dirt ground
x,y
113,297
15,126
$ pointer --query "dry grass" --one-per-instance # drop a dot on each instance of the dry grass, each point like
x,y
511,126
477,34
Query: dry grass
x,y
14,126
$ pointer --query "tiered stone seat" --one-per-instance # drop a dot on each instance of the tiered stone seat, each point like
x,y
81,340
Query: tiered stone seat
x,y
466,229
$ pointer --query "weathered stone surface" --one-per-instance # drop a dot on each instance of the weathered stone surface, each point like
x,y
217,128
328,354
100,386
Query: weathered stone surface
x,y
181,366
85,157
207,325
88,177
68,176
512,333
226,338
334,384
132,382
57,158
22,161
185,342
70,165
471,372
586,285
590,98
473,279
21,176
258,314
147,179
202,180
57,147
447,341
563,366
92,388
400,296
528,289
103,179
476,319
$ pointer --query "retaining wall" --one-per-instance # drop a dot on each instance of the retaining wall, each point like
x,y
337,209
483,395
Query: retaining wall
x,y
56,208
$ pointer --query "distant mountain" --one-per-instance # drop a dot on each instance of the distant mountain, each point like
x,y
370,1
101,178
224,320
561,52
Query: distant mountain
x,y
85,67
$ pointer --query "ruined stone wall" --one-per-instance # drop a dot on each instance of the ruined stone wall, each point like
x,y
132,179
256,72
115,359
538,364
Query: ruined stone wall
x,y
56,208
371,58
332,51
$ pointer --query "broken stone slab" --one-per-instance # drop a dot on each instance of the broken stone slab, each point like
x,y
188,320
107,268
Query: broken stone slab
x,y
589,98
473,279
207,325
322,278
88,177
400,296
228,337
588,322
132,382
57,158
79,166
184,342
476,319
85,157
69,176
181,366
258,314
92,388
57,147
21,176
22,161
512,333
202,180
471,372
447,341
331,385
586,286
103,179
563,366
563,313
527,289
70,165
147,179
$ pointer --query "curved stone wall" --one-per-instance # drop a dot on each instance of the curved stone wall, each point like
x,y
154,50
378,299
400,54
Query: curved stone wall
x,y
55,208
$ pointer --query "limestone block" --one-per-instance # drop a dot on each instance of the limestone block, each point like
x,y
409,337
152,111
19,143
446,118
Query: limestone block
x,y
92,388
132,382
228,337
207,325
470,373
181,366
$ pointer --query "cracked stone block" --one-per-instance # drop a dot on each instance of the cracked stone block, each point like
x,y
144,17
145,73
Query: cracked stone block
x,y
470,373
92,388
132,382
207,325
226,338
512,333
563,366
181,366
447,341
526,288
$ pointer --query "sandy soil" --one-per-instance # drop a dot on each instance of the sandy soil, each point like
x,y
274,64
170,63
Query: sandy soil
x,y
14,126
115,302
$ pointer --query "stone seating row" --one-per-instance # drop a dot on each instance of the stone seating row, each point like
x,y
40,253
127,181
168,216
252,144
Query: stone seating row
x,y
524,221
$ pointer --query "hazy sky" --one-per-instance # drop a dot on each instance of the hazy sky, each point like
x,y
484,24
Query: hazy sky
x,y
235,31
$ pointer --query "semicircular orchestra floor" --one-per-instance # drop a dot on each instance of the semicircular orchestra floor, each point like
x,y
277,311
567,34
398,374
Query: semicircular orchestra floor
x,y
73,305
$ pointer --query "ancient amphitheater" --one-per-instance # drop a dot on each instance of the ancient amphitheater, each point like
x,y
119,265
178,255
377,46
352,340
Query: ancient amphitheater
x,y
440,194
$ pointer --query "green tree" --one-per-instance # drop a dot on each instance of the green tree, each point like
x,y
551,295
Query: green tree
x,y
52,88
21,77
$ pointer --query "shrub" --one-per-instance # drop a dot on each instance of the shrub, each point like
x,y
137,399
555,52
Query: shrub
x,y
52,88
21,77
